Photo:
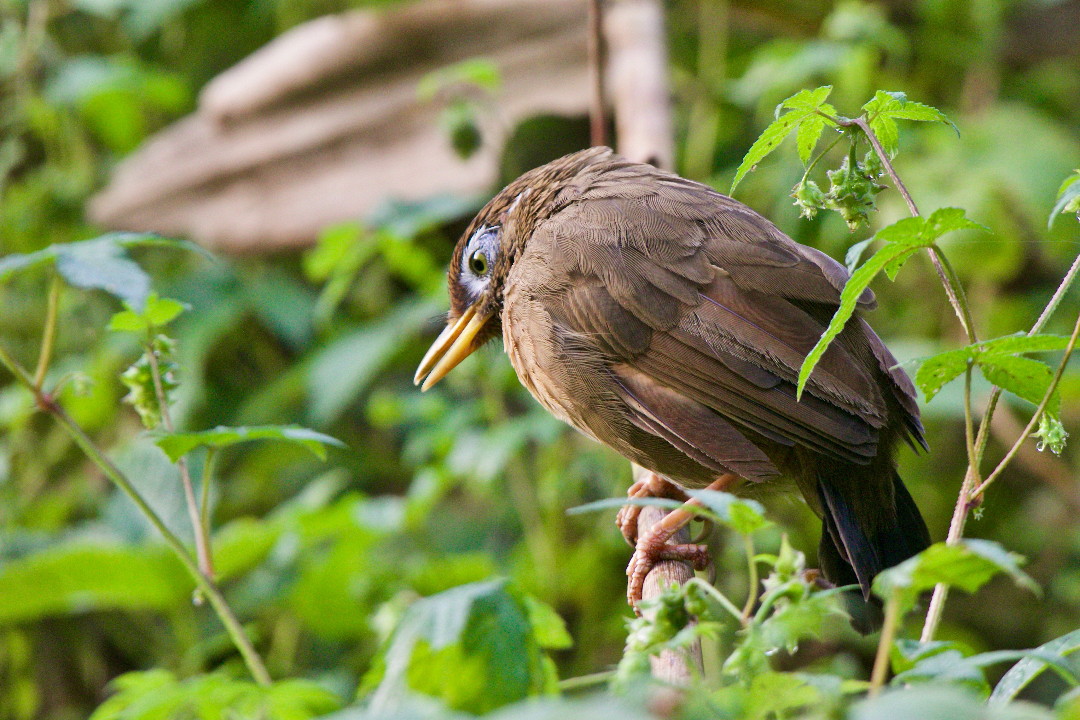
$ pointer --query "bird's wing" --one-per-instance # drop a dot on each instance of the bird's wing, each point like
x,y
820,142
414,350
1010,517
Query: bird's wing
x,y
691,292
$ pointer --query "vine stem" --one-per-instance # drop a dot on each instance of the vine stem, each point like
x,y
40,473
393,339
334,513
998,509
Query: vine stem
x,y
945,272
888,634
971,487
1039,411
48,334
752,595
201,530
975,444
210,590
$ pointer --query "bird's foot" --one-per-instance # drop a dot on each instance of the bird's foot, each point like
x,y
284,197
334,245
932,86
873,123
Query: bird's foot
x,y
652,548
652,485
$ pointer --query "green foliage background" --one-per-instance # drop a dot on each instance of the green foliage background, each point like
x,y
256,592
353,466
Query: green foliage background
x,y
470,481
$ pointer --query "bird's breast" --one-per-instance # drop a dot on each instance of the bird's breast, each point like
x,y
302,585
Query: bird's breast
x,y
565,376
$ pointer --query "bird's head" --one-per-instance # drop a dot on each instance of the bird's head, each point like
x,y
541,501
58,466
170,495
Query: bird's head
x,y
486,252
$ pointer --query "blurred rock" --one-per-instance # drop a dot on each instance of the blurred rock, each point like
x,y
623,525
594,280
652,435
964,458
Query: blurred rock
x,y
325,122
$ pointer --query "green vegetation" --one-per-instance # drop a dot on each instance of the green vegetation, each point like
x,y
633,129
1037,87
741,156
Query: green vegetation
x,y
221,496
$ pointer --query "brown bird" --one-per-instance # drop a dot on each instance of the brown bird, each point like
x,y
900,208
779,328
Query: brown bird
x,y
669,322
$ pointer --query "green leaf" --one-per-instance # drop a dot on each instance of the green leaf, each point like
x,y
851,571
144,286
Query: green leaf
x,y
945,220
98,264
472,647
855,253
902,239
807,137
938,370
888,134
478,72
801,106
806,99
77,578
1022,343
179,444
849,298
157,312
886,107
548,627
775,694
159,695
1068,199
769,140
1026,378
968,565
103,265
742,515
1020,675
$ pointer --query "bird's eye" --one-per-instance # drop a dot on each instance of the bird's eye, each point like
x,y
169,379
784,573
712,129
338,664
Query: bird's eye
x,y
478,263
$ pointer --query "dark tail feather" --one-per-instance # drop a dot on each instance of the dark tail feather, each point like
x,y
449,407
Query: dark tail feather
x,y
853,553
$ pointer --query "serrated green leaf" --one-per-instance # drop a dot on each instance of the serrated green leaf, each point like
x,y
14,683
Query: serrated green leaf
x,y
179,444
896,105
1026,378
1068,199
947,219
769,140
1022,343
967,565
901,240
806,99
802,107
938,370
807,136
1020,675
887,133
849,298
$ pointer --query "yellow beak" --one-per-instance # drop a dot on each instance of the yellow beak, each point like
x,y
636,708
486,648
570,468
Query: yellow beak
x,y
453,345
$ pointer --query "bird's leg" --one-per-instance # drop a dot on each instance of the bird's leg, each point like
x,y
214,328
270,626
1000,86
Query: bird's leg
x,y
653,547
651,485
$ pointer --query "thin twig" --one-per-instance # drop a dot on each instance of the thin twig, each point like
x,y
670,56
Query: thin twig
x,y
204,486
752,594
597,114
48,334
